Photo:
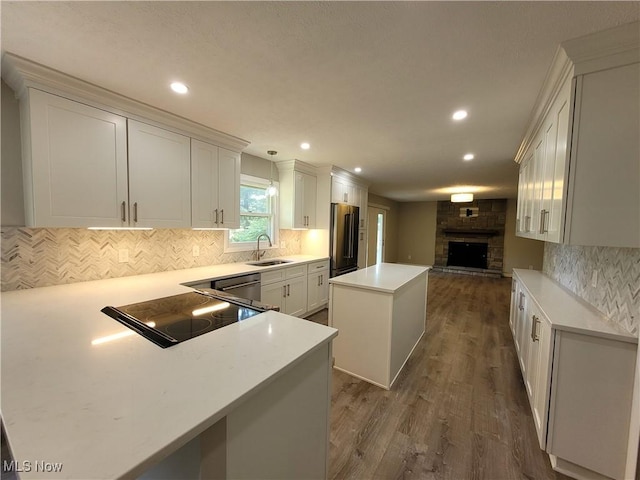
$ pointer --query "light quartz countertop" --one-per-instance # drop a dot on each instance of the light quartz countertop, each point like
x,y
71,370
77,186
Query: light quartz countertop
x,y
383,277
567,311
116,408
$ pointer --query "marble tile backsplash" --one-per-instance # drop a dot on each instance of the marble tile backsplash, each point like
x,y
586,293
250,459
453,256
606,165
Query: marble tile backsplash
x,y
38,257
617,293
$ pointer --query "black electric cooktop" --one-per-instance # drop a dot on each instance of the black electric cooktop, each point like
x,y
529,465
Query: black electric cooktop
x,y
170,320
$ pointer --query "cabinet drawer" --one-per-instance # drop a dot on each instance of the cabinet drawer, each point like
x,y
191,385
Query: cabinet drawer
x,y
318,266
272,276
296,271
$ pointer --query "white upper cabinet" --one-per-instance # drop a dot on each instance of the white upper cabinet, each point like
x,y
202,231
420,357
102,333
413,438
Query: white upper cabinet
x,y
580,159
298,194
159,177
75,162
215,186
92,158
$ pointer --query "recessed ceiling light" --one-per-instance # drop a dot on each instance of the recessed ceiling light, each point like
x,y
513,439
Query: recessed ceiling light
x,y
468,156
179,87
305,146
357,169
460,114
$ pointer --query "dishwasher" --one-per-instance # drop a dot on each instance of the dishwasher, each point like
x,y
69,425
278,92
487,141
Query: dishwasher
x,y
243,286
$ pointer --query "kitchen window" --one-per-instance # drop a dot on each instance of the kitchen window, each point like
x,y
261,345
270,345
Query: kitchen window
x,y
258,215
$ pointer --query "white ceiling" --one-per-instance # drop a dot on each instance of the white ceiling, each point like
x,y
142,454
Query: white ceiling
x,y
370,84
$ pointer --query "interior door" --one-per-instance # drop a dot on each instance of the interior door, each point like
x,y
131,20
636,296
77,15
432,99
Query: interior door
x,y
377,235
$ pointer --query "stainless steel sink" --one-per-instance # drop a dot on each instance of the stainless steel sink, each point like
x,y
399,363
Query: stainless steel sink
x,y
269,262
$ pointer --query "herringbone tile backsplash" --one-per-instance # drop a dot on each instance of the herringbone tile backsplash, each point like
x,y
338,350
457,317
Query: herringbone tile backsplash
x,y
617,293
39,257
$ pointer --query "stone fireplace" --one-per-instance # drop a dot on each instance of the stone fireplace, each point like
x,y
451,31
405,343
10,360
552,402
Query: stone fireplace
x,y
470,237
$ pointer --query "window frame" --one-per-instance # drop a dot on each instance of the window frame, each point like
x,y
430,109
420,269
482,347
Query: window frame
x,y
256,182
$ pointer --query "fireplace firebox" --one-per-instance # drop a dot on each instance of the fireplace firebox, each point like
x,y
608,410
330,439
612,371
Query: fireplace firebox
x,y
467,254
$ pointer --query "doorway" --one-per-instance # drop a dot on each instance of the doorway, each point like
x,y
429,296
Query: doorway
x,y
377,233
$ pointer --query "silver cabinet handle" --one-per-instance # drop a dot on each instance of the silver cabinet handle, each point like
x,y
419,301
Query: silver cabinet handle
x,y
216,212
135,212
527,221
545,221
284,290
288,290
123,214
513,285
222,216
534,322
322,279
318,281
541,229
521,301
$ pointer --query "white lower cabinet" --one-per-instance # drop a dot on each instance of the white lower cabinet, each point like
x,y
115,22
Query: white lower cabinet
x,y
286,288
317,286
579,373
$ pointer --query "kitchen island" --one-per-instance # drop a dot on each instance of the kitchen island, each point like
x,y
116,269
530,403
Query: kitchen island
x,y
84,395
380,312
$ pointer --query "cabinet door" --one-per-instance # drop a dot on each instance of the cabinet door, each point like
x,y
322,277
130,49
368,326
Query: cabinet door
x,y
229,188
204,185
537,185
313,291
296,296
338,191
274,294
364,203
159,177
513,311
78,165
542,339
556,204
310,194
605,160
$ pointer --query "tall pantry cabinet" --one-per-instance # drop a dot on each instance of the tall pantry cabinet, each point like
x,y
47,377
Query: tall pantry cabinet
x,y
579,180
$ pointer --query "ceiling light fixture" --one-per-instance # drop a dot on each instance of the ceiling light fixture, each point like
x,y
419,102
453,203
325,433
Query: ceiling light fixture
x,y
305,146
357,169
468,156
460,114
272,191
179,87
461,197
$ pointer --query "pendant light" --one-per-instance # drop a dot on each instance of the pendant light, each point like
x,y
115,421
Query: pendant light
x,y
272,191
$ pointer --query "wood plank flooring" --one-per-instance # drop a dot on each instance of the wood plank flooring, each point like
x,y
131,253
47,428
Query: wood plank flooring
x,y
459,409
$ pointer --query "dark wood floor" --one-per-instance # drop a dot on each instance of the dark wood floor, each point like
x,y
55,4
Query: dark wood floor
x,y
459,409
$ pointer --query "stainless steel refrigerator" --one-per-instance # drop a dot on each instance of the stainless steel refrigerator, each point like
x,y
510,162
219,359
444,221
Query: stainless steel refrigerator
x,y
344,238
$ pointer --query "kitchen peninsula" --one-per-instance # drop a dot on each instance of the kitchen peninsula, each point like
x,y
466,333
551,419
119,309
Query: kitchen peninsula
x,y
380,312
81,391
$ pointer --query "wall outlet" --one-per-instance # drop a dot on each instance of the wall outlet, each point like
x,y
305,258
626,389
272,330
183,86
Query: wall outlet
x,y
196,251
594,279
123,255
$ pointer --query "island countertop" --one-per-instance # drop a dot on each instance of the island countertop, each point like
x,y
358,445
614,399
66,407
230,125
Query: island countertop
x,y
383,277
114,409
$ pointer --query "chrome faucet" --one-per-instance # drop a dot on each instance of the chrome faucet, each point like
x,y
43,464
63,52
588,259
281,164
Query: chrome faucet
x,y
258,254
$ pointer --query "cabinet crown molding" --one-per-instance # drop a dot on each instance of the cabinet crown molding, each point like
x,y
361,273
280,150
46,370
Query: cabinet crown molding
x,y
341,173
297,165
21,74
609,48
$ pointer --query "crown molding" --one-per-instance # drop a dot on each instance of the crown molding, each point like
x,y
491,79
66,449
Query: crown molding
x,y
21,74
342,173
609,48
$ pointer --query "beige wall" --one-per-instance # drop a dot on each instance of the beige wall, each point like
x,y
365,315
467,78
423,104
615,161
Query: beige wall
x,y
258,167
12,201
391,242
519,252
417,233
